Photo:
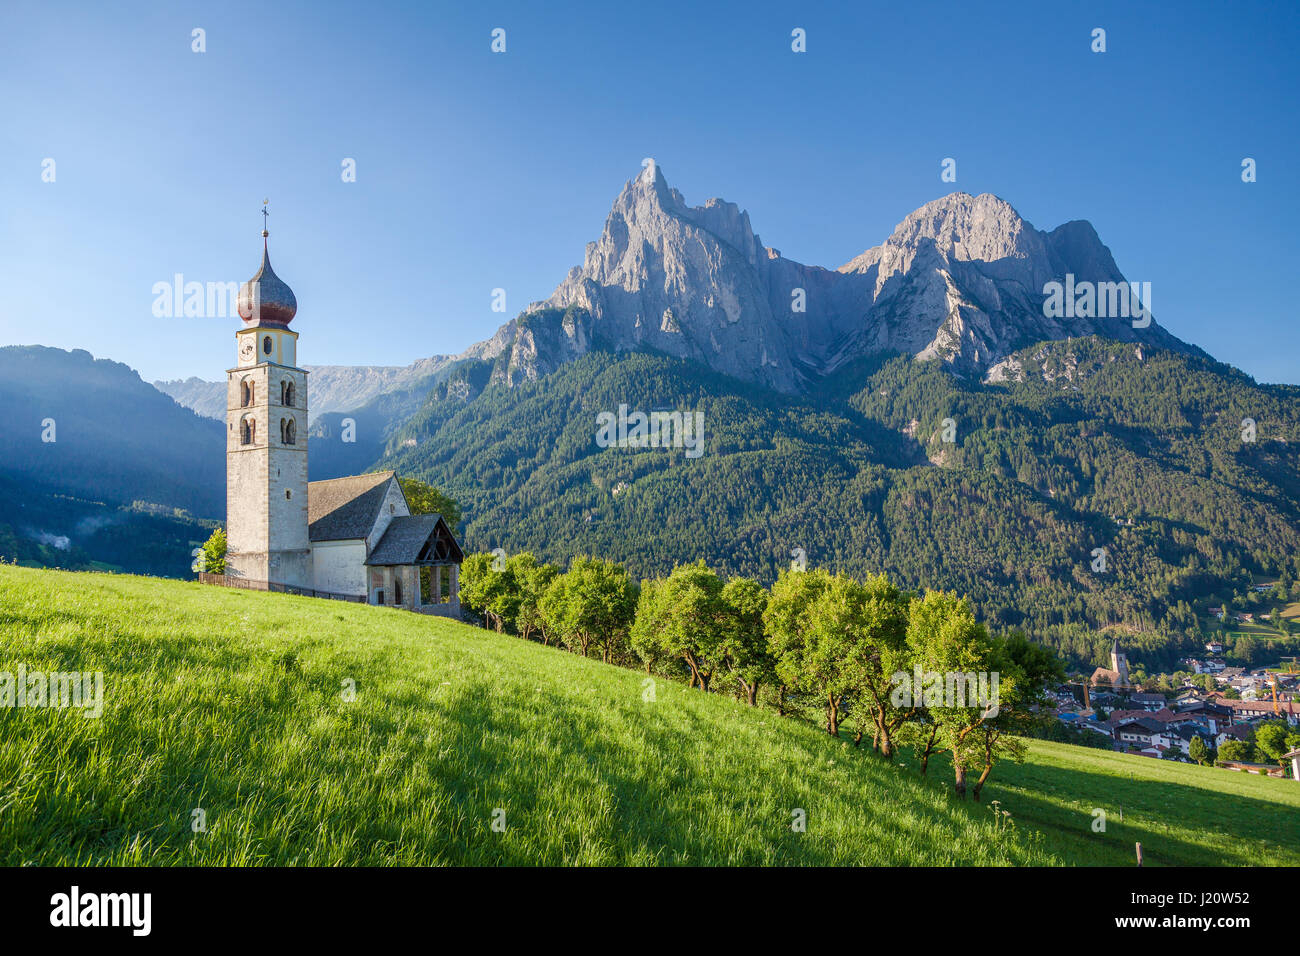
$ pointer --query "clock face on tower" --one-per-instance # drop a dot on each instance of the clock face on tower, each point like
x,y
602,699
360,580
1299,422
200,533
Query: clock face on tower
x,y
246,349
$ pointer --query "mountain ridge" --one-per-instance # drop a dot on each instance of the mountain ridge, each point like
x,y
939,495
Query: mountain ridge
x,y
961,279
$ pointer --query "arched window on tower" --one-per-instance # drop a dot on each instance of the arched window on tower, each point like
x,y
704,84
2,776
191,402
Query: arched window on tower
x,y
291,433
247,431
286,393
245,393
283,434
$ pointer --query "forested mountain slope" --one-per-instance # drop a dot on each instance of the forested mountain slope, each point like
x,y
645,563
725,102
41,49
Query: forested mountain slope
x,y
1082,444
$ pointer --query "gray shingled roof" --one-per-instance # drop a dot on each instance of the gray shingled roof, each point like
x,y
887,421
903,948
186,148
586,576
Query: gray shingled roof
x,y
344,508
405,537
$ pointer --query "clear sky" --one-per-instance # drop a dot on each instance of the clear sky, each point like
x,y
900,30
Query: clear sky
x,y
477,170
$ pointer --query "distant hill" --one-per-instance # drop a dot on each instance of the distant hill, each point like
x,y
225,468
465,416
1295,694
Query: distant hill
x,y
452,725
331,388
124,481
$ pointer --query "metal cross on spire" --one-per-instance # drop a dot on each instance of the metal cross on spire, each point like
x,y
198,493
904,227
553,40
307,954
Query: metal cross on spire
x,y
264,215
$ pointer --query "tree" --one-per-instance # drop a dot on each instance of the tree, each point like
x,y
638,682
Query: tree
x,y
1199,752
213,559
592,605
949,646
1239,750
1025,671
882,652
647,625
809,619
785,622
489,589
1271,739
743,646
424,499
531,581
921,733
684,617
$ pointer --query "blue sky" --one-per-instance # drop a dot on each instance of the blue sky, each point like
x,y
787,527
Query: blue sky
x,y
478,170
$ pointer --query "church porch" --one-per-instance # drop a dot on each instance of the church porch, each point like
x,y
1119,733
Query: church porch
x,y
416,566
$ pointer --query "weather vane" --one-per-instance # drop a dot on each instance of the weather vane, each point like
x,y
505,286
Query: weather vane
x,y
264,215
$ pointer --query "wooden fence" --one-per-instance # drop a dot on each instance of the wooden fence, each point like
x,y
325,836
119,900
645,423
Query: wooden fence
x,y
226,581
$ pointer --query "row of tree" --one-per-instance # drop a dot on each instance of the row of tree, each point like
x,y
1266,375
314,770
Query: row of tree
x,y
866,657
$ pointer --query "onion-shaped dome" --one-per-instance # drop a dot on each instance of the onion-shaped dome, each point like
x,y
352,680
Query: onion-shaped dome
x,y
265,299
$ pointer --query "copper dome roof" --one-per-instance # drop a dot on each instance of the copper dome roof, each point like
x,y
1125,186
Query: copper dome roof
x,y
265,299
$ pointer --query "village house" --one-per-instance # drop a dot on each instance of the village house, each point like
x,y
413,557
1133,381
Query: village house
x,y
1294,757
1148,701
1264,710
1241,732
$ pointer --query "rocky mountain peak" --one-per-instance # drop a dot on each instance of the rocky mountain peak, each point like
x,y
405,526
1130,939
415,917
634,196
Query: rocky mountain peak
x,y
960,279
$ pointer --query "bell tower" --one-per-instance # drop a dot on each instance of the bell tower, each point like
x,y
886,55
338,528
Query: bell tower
x,y
266,438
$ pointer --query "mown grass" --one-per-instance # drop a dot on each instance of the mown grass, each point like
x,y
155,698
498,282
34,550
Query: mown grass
x,y
231,701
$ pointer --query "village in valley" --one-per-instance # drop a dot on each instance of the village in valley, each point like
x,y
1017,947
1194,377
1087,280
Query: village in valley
x,y
1238,718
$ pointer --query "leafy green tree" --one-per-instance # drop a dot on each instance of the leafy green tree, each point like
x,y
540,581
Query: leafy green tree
x,y
883,652
1275,738
812,620
946,640
531,580
424,499
743,645
592,605
1199,752
1025,671
213,559
685,618
921,733
488,589
648,625
1238,750
785,621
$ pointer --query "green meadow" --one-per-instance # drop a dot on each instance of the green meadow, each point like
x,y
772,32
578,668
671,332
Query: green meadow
x,y
462,746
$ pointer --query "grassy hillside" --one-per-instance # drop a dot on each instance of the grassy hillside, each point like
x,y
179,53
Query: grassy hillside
x,y
230,701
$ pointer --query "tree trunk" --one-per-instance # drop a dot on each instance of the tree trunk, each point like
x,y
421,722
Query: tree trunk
x,y
979,784
780,700
959,776
832,715
929,749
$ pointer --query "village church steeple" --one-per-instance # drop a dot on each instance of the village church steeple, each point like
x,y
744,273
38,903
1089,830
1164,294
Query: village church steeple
x,y
266,437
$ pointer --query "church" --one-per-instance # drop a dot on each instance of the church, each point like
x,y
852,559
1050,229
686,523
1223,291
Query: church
x,y
1117,674
352,538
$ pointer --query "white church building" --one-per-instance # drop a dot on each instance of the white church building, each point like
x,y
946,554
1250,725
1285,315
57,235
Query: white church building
x,y
353,538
